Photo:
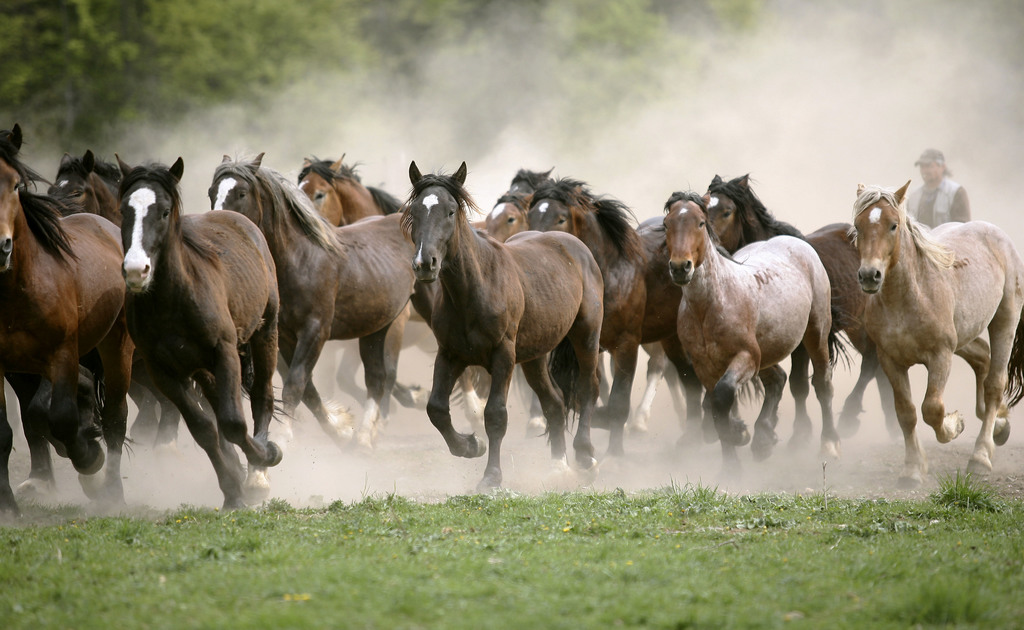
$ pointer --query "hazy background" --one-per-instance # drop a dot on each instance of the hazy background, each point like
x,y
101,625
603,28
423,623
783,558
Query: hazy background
x,y
637,98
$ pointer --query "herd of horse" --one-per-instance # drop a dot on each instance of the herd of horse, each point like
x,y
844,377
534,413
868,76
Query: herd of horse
x,y
111,291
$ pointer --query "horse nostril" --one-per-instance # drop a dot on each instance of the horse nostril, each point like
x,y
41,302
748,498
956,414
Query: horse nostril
x,y
6,246
687,266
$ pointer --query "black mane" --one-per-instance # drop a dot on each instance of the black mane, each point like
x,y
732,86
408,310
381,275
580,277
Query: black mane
x,y
107,171
753,213
614,217
42,212
530,180
324,170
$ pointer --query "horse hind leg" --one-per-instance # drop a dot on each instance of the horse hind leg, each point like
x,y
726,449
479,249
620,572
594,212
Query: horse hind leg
x,y
915,463
656,363
774,380
800,389
853,406
995,428
379,353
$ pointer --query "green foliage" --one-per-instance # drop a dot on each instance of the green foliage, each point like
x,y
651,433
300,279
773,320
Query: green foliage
x,y
966,492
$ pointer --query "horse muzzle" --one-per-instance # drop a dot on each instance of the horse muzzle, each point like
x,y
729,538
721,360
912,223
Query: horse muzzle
x,y
681,272
425,268
137,279
870,279
6,251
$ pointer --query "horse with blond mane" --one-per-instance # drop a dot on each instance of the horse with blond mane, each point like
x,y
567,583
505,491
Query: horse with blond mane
x,y
934,294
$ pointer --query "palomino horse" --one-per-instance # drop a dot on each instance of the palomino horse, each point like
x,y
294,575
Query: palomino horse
x,y
339,195
202,298
739,317
503,304
740,218
351,282
603,224
62,297
932,295
91,185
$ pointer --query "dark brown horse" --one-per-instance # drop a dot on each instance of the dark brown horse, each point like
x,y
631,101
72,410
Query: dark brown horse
x,y
603,224
339,194
740,218
202,298
508,217
61,297
503,304
351,282
91,185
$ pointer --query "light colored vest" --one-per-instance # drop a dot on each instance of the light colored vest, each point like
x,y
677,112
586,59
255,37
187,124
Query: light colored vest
x,y
943,201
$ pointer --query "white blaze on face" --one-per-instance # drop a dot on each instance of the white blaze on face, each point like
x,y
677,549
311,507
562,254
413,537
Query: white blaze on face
x,y
62,183
876,215
497,210
429,202
683,210
223,190
303,184
542,208
136,260
713,202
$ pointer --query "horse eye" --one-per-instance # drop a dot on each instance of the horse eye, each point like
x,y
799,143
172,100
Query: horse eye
x,y
893,228
167,213
451,213
700,225
319,195
511,220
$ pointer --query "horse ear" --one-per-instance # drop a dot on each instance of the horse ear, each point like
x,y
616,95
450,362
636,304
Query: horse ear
x,y
414,173
860,189
460,175
306,163
255,164
706,198
125,169
902,192
547,173
177,169
88,161
336,167
15,137
744,181
65,159
225,159
716,180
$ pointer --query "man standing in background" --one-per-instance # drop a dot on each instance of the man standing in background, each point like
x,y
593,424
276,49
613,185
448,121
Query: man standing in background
x,y
940,199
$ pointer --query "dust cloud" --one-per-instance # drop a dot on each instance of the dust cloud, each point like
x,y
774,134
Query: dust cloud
x,y
820,97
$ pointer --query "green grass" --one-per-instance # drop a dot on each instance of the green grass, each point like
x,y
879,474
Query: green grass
x,y
677,557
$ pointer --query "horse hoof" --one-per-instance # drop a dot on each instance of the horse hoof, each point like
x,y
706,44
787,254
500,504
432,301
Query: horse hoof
x,y
257,485
585,461
736,434
830,450
763,445
478,448
92,486
979,466
952,426
1001,433
638,426
95,465
488,483
36,490
909,482
538,424
709,431
274,454
168,451
848,426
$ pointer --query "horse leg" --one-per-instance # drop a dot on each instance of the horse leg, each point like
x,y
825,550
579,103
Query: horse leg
x,y
915,463
204,430
697,425
115,352
849,420
80,438
888,402
34,401
446,372
800,389
933,411
225,394
538,376
731,433
7,502
978,354
624,359
994,427
774,380
146,426
263,350
824,392
471,403
496,416
300,354
656,362
379,365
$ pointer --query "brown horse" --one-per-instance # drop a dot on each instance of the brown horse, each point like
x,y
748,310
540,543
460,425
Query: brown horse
x,y
739,218
503,304
339,194
91,185
934,294
351,282
740,316
603,224
202,298
62,297
508,217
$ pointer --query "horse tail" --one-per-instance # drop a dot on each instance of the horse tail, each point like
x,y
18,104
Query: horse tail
x,y
837,348
1015,368
565,372
388,203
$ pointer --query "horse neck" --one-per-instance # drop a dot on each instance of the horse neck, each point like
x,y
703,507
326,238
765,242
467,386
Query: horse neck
x,y
172,270
107,204
902,279
356,200
712,281
462,272
605,252
27,251
283,233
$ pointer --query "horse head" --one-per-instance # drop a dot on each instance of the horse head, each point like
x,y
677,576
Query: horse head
x,y
687,235
877,222
556,206
318,179
11,183
150,205
508,216
433,217
234,188
723,212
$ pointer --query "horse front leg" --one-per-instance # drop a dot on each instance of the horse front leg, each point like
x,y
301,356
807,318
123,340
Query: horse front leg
x,y
224,392
774,380
799,387
379,356
947,426
79,436
915,463
731,433
7,502
116,353
993,362
301,353
34,401
657,361
446,373
697,426
624,360
496,416
849,417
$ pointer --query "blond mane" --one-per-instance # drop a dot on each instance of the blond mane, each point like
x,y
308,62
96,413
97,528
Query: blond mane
x,y
933,251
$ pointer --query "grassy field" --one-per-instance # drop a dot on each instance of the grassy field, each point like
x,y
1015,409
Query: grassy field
x,y
673,558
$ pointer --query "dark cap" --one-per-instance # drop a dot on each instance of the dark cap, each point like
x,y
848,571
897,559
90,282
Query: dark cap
x,y
929,156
